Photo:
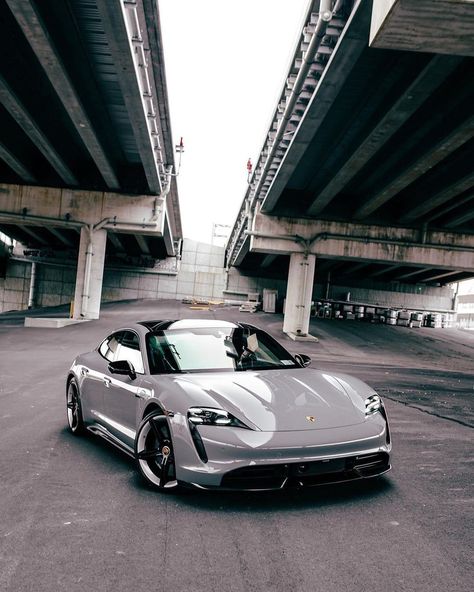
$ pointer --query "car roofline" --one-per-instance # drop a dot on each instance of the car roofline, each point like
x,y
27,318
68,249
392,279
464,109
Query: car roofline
x,y
160,325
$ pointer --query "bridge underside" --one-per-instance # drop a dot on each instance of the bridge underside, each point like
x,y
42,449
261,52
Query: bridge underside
x,y
347,271
83,106
384,141
377,159
87,167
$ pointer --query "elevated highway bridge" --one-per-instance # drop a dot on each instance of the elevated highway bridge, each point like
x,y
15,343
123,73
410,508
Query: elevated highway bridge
x,y
367,170
87,165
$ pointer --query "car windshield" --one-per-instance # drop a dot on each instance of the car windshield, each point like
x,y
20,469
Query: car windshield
x,y
218,348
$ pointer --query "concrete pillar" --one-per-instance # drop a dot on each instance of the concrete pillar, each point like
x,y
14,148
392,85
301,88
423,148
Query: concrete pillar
x,y
90,272
32,292
298,295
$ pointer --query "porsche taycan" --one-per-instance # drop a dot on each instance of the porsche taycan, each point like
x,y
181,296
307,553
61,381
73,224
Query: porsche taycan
x,y
216,404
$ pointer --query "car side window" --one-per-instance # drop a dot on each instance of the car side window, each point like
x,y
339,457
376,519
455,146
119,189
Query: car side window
x,y
108,348
129,349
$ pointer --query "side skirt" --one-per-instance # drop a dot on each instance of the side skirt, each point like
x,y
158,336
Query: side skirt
x,y
104,433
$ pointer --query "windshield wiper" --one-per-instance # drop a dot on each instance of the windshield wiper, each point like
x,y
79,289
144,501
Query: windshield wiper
x,y
262,366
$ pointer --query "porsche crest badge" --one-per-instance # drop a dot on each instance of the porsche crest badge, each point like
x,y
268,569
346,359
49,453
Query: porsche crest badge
x,y
311,418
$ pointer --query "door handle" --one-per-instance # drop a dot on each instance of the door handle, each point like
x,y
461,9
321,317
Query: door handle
x,y
84,371
107,381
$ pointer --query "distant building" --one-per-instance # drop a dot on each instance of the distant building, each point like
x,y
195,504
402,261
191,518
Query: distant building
x,y
465,316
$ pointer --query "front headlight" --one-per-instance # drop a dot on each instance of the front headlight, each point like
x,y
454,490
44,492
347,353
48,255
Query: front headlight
x,y
215,417
373,404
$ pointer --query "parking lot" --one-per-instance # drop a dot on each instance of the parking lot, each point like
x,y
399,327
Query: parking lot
x,y
76,516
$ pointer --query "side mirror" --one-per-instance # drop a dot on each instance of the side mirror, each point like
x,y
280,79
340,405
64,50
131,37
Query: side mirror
x,y
123,367
303,360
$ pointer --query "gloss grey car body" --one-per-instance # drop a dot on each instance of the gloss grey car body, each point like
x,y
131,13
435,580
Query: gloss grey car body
x,y
240,425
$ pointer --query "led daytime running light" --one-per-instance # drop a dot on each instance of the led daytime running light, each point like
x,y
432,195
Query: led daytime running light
x,y
373,404
211,416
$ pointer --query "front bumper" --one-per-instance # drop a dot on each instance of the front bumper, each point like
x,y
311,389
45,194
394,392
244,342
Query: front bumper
x,y
239,459
307,474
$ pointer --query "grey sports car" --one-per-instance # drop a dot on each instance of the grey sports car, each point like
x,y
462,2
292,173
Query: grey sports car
x,y
215,404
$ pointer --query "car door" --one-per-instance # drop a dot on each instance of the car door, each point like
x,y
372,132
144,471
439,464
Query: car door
x,y
93,375
121,394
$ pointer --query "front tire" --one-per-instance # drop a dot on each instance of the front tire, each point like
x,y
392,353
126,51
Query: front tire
x,y
74,409
154,452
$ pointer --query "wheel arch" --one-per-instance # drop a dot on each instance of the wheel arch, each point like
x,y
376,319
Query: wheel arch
x,y
70,377
152,407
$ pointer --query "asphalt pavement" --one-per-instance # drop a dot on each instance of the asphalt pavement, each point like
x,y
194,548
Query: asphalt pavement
x,y
76,516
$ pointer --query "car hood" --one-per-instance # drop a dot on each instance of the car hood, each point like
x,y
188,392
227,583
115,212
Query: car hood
x,y
281,400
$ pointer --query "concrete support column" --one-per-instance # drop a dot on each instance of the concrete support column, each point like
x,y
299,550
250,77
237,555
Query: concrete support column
x,y
298,295
90,272
32,292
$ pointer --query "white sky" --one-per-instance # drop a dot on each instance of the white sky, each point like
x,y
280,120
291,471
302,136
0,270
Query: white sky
x,y
226,63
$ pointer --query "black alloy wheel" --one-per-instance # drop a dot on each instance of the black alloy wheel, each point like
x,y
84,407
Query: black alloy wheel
x,y
154,452
74,410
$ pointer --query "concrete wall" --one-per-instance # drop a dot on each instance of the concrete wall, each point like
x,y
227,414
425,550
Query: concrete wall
x,y
378,293
15,286
399,296
202,273
240,284
55,285
201,276
465,315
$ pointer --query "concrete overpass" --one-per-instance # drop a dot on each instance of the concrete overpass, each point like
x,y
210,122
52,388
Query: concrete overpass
x,y
367,170
87,166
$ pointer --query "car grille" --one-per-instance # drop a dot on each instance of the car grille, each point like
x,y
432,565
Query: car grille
x,y
307,474
258,477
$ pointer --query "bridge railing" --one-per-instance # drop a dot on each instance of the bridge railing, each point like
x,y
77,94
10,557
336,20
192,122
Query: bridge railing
x,y
322,28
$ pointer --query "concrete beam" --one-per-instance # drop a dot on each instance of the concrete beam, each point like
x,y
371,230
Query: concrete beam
x,y
115,240
459,202
33,234
440,276
16,165
168,237
430,158
14,106
351,44
60,236
435,26
362,242
142,243
460,219
244,249
434,74
123,53
380,272
151,19
34,29
412,273
438,199
268,260
358,267
68,208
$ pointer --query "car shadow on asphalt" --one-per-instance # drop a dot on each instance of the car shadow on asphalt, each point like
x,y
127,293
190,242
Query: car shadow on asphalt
x,y
288,499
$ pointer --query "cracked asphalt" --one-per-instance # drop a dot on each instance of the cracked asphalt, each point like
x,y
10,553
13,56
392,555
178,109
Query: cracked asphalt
x,y
76,516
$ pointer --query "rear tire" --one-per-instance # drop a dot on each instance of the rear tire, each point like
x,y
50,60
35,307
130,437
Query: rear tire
x,y
154,452
74,409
